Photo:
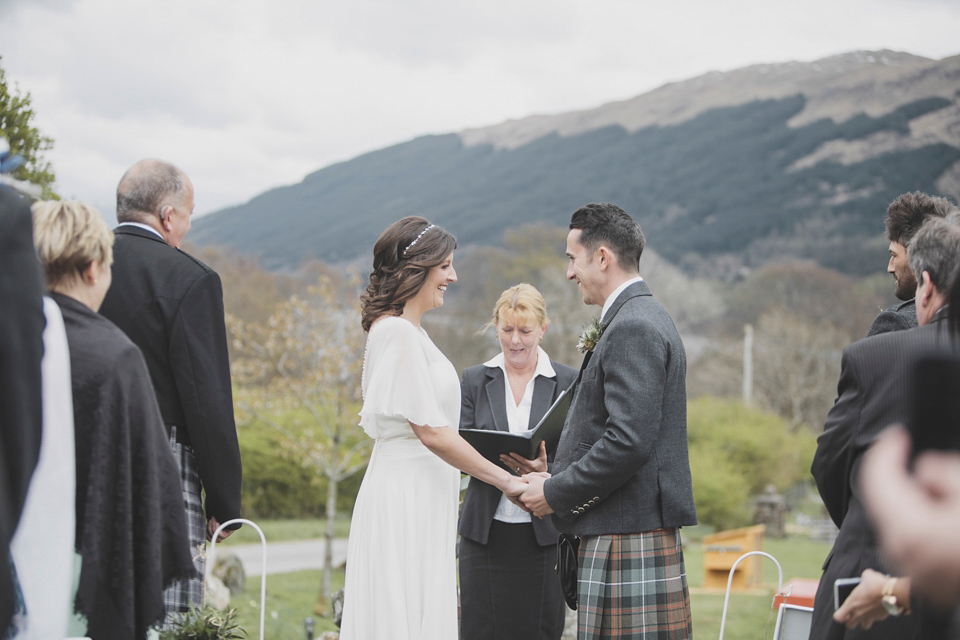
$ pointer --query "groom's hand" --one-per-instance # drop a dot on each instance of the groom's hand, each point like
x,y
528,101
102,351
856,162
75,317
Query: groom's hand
x,y
533,498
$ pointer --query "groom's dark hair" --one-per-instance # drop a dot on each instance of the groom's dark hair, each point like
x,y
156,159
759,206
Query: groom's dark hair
x,y
601,223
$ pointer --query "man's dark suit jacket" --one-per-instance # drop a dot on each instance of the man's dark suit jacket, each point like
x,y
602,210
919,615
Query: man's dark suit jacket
x,y
622,464
896,318
21,350
484,407
171,306
873,393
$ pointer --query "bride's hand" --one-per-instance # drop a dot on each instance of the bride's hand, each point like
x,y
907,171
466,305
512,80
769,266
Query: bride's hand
x,y
517,463
513,489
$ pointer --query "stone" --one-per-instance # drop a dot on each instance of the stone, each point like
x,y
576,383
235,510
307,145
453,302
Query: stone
x,y
230,570
217,594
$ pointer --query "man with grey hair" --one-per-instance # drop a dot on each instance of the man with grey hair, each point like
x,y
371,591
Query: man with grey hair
x,y
171,306
874,392
905,215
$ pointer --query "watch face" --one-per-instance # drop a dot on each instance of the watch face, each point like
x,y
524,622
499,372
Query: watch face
x,y
890,605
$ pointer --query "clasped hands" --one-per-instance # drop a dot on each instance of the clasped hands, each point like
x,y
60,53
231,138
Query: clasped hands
x,y
526,491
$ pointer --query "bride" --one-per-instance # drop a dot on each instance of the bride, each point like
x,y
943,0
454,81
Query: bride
x,y
401,566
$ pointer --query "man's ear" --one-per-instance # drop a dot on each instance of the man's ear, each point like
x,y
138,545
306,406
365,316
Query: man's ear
x,y
926,291
164,218
604,256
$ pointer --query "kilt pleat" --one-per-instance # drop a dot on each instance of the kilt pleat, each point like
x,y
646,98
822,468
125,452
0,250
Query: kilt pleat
x,y
633,586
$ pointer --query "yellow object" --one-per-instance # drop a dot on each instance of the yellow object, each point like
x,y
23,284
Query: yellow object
x,y
722,549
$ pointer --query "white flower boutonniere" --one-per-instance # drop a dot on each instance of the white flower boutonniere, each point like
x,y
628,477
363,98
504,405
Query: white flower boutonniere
x,y
590,336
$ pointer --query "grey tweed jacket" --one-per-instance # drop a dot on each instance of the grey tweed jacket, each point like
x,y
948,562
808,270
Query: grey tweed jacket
x,y
622,464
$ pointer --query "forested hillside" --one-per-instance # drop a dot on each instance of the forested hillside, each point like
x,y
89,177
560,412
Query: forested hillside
x,y
730,187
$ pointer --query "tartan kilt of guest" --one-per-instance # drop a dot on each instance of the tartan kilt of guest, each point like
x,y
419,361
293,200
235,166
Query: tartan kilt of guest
x,y
633,586
178,596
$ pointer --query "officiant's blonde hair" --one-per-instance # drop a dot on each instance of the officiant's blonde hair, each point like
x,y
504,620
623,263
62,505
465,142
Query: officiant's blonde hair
x,y
523,301
69,236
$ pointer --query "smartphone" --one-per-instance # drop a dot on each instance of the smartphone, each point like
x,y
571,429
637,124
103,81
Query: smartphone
x,y
841,589
934,419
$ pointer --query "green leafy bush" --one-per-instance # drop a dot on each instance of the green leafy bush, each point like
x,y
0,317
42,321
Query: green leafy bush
x,y
274,484
735,452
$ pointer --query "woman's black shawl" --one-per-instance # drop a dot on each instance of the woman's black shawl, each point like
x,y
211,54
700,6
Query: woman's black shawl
x,y
131,525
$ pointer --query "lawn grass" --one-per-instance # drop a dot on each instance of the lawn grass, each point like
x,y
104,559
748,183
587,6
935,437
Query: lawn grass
x,y
292,596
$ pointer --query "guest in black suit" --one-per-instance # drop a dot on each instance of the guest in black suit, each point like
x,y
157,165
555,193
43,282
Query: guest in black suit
x,y
905,215
508,586
171,306
874,392
21,350
131,528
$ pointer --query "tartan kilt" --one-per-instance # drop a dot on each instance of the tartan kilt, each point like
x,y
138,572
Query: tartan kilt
x,y
181,593
633,586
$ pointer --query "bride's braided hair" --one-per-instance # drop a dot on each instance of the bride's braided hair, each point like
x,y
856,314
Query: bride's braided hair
x,y
403,255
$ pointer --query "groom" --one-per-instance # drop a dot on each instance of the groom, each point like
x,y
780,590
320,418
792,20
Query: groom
x,y
621,476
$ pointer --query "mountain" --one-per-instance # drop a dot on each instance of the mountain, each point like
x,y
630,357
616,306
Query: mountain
x,y
791,161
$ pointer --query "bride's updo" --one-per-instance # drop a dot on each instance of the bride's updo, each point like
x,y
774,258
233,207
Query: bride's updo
x,y
402,257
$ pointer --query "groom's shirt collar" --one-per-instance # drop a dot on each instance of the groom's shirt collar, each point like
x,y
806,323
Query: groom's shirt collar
x,y
616,293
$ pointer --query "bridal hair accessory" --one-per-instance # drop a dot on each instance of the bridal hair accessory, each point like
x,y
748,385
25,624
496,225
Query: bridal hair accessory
x,y
417,239
590,336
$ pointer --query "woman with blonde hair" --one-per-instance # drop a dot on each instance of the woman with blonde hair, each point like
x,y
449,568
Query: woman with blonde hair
x,y
401,557
130,524
508,586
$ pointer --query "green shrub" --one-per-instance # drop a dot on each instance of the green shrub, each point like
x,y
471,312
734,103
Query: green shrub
x,y
736,452
274,484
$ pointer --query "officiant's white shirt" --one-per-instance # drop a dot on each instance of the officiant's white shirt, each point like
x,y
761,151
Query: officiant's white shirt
x,y
518,421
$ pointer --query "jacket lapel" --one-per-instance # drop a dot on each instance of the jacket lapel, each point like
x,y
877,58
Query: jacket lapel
x,y
543,392
497,397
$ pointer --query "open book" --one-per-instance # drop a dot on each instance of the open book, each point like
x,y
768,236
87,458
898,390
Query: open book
x,y
491,442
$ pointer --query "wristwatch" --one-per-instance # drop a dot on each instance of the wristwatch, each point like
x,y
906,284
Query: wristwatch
x,y
889,601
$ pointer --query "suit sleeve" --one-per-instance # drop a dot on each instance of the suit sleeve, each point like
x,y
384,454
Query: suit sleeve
x,y
198,347
634,379
835,446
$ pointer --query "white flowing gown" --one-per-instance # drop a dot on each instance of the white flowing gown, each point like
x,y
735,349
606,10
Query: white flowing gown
x,y
401,556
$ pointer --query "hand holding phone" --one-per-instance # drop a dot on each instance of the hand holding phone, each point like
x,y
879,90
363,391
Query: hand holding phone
x,y
841,589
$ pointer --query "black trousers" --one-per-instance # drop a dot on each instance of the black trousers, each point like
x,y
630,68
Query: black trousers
x,y
509,589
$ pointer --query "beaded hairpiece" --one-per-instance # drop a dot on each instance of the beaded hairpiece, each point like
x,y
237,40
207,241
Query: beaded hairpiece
x,y
417,239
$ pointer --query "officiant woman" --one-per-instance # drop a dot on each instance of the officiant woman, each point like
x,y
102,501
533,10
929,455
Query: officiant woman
x,y
509,587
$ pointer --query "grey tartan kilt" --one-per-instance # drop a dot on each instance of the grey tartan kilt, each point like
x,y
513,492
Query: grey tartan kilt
x,y
178,596
633,586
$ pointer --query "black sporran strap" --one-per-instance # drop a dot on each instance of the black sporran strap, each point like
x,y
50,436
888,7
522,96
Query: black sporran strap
x,y
568,547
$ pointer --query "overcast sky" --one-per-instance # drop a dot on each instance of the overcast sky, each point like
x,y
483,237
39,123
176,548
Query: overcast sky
x,y
248,94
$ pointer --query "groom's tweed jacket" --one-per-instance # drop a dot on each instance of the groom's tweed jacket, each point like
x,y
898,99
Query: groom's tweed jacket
x,y
622,465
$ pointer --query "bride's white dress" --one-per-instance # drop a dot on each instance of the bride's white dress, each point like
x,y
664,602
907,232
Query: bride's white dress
x,y
401,565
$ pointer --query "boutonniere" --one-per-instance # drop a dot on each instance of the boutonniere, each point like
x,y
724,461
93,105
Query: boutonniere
x,y
590,336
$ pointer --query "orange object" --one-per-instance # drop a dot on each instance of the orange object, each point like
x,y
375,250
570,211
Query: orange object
x,y
721,551
800,591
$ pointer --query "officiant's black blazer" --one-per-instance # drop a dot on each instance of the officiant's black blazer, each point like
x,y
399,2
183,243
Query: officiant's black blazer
x,y
484,406
171,306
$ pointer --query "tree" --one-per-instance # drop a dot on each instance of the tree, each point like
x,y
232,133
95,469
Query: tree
x,y
300,371
16,115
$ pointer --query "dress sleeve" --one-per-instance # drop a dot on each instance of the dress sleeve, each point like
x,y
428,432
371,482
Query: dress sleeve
x,y
397,380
